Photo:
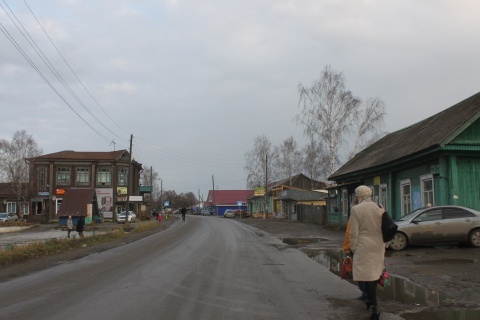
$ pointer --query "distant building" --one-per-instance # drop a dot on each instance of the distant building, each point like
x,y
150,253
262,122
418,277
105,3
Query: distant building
x,y
83,184
220,200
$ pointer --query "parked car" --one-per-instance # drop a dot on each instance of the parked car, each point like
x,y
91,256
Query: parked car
x,y
205,212
438,225
229,213
244,213
8,216
132,217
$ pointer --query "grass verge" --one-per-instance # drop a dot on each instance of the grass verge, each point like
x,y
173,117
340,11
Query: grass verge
x,y
46,247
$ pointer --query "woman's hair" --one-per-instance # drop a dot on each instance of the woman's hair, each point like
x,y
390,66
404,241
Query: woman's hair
x,y
363,192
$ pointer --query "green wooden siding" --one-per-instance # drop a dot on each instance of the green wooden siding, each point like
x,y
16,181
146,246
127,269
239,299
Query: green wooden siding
x,y
468,179
471,135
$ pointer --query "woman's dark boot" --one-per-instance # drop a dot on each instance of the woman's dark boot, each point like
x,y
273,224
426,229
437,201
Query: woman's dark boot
x,y
375,314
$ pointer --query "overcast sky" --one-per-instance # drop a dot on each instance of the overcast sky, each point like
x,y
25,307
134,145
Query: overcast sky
x,y
195,82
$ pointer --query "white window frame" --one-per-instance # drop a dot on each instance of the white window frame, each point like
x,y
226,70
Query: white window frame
x,y
26,208
42,178
12,207
423,179
404,198
63,176
82,177
104,176
122,179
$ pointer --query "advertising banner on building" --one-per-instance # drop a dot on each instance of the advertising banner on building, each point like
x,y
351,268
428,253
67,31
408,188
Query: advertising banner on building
x,y
105,202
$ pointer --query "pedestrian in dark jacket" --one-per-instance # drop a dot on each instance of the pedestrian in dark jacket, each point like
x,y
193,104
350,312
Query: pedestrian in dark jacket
x,y
80,224
183,211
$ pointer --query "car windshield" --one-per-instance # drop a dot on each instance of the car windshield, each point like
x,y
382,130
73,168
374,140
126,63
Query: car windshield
x,y
411,214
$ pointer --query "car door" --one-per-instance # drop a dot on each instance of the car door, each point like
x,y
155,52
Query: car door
x,y
458,223
427,227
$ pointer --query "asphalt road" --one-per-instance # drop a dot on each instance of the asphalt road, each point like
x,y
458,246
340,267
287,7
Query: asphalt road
x,y
203,268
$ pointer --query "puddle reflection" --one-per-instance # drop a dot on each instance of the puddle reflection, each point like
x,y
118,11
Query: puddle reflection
x,y
397,288
443,315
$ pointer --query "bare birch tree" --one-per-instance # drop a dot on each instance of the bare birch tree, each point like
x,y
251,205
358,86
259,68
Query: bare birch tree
x,y
255,159
330,113
370,124
290,160
13,165
315,164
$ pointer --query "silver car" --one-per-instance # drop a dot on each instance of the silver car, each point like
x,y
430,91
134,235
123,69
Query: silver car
x,y
131,217
229,213
438,225
6,217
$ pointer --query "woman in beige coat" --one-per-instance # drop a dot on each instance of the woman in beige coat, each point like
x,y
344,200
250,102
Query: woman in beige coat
x,y
366,243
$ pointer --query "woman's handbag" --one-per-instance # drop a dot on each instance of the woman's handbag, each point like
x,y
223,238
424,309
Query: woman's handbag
x,y
389,228
383,281
346,270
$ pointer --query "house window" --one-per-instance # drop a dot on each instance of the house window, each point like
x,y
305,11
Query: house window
x,y
82,178
59,203
345,202
406,193
122,177
426,183
104,177
25,208
63,176
12,207
383,195
42,178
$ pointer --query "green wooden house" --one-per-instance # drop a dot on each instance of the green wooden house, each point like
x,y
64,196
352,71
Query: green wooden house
x,y
435,161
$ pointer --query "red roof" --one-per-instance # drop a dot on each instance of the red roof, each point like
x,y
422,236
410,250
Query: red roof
x,y
228,197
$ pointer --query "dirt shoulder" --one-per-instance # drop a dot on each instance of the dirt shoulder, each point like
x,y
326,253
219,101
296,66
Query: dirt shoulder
x,y
24,268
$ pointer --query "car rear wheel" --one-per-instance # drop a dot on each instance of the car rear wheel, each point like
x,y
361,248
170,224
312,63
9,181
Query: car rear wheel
x,y
399,242
474,238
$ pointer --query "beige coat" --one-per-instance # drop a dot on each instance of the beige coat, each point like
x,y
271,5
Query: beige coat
x,y
366,241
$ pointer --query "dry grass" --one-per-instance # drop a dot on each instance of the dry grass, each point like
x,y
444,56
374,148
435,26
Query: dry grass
x,y
38,249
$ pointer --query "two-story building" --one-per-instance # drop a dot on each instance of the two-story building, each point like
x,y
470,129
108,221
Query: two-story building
x,y
82,184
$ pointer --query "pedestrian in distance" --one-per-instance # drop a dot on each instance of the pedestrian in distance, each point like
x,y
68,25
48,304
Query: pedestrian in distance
x,y
366,243
80,225
160,217
183,211
69,226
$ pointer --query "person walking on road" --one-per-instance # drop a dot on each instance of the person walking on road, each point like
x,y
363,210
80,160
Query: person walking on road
x,y
348,252
366,243
80,225
183,211
69,226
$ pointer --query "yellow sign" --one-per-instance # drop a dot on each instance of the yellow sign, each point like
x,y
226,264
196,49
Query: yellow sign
x,y
376,180
259,191
121,190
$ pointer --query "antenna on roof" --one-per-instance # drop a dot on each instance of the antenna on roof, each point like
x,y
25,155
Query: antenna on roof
x,y
113,141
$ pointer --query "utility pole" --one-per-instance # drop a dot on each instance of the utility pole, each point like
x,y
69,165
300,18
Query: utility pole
x,y
265,216
213,195
129,182
161,195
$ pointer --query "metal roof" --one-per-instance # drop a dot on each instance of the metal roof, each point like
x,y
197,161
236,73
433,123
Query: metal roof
x,y
428,134
74,202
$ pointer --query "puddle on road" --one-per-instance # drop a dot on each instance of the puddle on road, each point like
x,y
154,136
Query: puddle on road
x,y
297,241
443,315
397,288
